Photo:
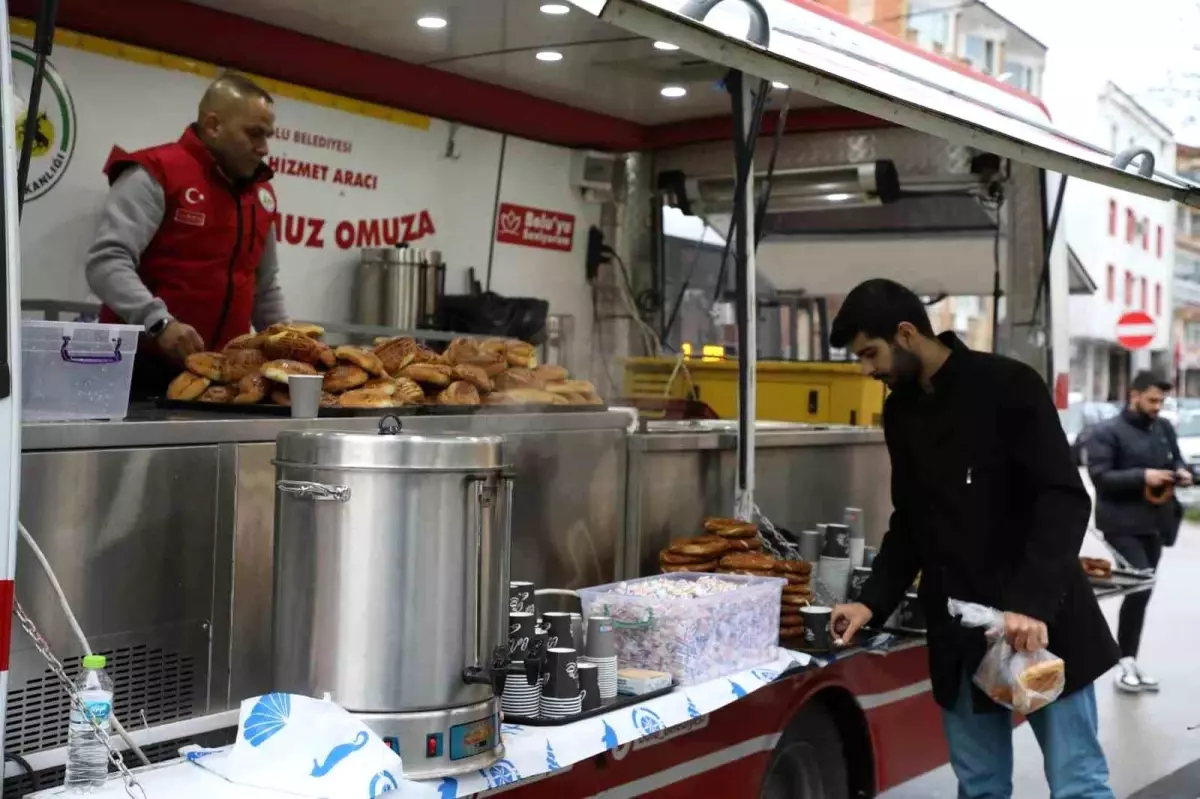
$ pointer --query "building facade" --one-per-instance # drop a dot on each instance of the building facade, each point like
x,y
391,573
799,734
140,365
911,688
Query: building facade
x,y
1186,283
1127,242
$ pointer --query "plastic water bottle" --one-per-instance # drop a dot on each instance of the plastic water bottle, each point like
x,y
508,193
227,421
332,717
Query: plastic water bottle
x,y
87,756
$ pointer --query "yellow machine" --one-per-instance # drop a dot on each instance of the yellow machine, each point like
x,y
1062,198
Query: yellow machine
x,y
788,391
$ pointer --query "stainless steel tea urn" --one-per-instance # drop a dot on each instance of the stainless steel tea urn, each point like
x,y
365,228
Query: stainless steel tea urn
x,y
391,586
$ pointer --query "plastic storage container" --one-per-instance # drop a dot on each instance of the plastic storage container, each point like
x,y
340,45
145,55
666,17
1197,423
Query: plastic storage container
x,y
76,370
695,639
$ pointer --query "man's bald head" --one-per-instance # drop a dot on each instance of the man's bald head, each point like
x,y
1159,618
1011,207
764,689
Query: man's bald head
x,y
235,120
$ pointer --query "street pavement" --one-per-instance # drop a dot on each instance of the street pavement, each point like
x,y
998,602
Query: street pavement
x,y
1152,753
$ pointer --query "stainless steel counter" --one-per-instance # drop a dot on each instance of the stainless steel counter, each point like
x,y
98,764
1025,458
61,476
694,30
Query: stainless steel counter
x,y
681,472
160,528
157,428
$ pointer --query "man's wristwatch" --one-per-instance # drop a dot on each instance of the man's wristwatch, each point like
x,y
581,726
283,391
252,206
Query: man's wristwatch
x,y
155,330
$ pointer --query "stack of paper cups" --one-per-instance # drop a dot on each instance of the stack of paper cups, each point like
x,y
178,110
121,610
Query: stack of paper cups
x,y
853,518
602,651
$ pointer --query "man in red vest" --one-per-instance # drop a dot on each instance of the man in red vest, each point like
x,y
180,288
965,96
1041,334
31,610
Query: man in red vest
x,y
185,246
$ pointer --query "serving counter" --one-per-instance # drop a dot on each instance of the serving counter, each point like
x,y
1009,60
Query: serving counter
x,y
160,528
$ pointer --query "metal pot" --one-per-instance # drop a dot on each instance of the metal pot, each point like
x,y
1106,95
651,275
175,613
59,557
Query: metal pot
x,y
391,585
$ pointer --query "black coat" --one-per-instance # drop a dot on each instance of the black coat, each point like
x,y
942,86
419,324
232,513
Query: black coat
x,y
988,508
1119,452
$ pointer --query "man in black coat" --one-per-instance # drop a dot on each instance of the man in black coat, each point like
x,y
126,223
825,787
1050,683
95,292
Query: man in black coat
x,y
1135,463
988,507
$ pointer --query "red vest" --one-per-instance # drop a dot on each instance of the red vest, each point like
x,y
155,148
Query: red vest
x,y
203,261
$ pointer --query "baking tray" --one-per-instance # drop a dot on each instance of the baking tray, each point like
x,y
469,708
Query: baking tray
x,y
267,410
1122,578
618,703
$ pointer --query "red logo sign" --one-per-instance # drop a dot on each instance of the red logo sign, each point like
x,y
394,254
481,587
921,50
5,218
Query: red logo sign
x,y
535,227
186,217
1135,330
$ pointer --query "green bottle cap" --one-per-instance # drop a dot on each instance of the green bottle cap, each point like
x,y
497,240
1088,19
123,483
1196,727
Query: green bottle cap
x,y
95,662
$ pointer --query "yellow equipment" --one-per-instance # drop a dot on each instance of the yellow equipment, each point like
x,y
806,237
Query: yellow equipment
x,y
788,391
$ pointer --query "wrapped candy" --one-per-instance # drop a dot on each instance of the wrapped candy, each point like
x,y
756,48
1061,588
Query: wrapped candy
x,y
697,627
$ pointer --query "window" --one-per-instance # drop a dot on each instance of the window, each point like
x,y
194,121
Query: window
x,y
1145,228
1193,332
1128,290
861,10
980,52
1130,226
1158,299
933,29
1144,305
1112,217
1158,241
1110,285
1021,76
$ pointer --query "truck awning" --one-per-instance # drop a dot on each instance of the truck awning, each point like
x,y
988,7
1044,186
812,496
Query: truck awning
x,y
821,53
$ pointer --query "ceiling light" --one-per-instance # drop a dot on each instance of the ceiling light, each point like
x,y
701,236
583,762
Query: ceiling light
x,y
778,85
665,46
673,91
549,55
557,9
432,23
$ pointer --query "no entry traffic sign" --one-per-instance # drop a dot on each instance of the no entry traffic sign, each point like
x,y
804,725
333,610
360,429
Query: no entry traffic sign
x,y
1135,330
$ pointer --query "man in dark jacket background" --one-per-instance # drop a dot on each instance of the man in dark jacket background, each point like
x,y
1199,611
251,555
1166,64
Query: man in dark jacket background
x,y
1134,462
988,508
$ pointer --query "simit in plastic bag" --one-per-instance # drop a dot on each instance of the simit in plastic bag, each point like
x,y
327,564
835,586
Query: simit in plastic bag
x,y
1022,681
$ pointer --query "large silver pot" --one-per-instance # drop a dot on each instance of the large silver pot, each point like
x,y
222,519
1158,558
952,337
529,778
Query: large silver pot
x,y
391,581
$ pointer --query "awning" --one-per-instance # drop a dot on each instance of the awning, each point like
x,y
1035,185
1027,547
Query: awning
x,y
820,53
1079,280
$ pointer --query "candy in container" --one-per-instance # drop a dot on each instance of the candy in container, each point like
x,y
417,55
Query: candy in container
x,y
696,627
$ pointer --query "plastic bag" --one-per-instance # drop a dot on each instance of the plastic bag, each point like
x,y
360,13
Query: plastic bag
x,y
1021,681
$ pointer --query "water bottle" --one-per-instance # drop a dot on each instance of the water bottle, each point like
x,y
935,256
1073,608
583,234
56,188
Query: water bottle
x,y
87,756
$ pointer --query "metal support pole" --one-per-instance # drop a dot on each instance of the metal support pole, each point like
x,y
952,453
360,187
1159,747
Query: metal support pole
x,y
747,296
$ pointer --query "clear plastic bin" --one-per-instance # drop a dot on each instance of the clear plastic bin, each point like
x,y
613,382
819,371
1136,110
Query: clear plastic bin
x,y
76,370
693,639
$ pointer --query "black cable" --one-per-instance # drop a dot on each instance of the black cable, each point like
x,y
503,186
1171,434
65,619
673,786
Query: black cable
x,y
760,215
745,161
43,44
996,279
35,782
487,286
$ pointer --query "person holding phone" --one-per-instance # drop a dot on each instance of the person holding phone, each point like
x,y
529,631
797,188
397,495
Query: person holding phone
x,y
1135,464
989,507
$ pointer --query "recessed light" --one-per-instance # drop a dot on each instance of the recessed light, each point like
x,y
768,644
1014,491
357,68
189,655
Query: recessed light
x,y
665,46
776,84
557,9
431,22
673,91
549,55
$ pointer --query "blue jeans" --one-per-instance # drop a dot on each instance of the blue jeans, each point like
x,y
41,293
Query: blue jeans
x,y
981,751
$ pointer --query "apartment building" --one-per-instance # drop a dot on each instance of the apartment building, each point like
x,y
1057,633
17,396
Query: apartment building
x,y
1186,283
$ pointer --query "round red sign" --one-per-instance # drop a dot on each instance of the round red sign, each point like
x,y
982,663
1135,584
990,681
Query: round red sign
x,y
1135,330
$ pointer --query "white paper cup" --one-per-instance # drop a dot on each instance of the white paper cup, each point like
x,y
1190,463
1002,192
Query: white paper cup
x,y
305,393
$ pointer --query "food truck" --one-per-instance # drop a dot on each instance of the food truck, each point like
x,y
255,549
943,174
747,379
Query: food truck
x,y
179,508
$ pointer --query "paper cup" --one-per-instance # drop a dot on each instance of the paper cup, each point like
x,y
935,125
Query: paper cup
x,y
558,630
305,394
521,597
858,578
589,684
835,576
562,672
817,635
600,642
521,632
577,630
837,541
811,544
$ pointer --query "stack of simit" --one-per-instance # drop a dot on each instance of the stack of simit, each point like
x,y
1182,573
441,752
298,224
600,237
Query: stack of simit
x,y
703,553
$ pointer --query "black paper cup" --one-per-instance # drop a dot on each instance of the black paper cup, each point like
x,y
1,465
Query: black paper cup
x,y
589,684
837,541
558,630
522,628
562,672
521,598
817,635
912,615
600,641
858,578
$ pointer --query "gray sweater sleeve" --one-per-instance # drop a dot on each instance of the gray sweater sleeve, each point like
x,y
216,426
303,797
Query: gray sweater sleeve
x,y
268,297
131,216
